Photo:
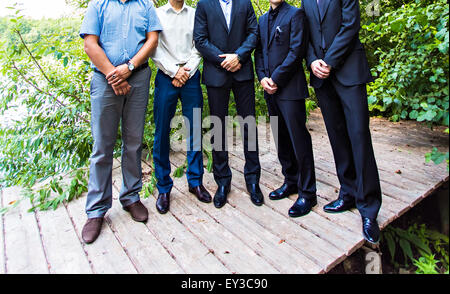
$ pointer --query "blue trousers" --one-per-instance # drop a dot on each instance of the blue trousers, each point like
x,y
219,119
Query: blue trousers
x,y
108,110
164,108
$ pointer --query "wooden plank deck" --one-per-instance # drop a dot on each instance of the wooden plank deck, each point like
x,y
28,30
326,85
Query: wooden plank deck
x,y
240,238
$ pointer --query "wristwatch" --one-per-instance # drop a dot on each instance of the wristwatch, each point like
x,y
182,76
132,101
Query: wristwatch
x,y
130,65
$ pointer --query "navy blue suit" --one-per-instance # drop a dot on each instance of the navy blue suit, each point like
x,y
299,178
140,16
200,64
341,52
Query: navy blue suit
x,y
279,55
212,38
334,37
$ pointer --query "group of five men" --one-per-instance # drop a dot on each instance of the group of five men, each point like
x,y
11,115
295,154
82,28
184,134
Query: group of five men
x,y
121,35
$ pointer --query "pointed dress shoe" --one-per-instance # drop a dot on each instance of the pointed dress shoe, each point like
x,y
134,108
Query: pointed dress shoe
x,y
138,212
302,207
201,193
339,205
91,229
163,203
220,198
371,230
255,194
283,192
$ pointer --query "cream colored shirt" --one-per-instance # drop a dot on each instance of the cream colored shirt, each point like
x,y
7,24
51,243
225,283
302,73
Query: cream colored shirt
x,y
176,41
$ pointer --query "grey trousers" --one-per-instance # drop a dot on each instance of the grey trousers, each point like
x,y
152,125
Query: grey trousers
x,y
108,110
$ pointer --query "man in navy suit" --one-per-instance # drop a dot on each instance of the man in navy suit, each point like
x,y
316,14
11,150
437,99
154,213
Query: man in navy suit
x,y
283,41
339,74
225,33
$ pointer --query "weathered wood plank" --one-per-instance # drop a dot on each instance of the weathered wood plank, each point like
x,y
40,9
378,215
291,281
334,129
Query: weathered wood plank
x,y
238,256
287,259
244,204
145,251
106,254
23,245
190,252
63,249
409,158
2,239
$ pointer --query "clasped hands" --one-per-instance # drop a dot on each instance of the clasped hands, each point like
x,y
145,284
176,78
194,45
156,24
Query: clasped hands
x,y
320,69
269,86
118,80
231,62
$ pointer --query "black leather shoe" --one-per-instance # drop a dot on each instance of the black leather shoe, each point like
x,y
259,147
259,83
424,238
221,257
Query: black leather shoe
x,y
255,194
283,192
220,198
302,207
201,193
163,203
371,230
339,205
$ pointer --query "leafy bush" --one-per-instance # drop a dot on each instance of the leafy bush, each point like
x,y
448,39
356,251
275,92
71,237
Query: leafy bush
x,y
426,249
408,47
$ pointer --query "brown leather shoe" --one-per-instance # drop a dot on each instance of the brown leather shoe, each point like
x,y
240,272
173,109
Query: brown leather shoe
x,y
163,203
201,193
91,229
138,211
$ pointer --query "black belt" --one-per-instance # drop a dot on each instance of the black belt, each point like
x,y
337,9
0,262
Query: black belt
x,y
139,68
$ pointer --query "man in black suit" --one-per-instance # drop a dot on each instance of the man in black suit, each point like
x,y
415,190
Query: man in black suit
x,y
225,33
283,42
339,74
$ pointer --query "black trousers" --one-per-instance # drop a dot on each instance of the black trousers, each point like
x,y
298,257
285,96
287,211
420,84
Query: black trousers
x,y
346,114
218,100
294,145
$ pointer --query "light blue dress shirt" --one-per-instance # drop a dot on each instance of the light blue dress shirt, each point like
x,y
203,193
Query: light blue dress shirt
x,y
121,27
226,8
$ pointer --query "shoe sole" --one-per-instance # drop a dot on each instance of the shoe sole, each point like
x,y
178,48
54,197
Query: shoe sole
x,y
162,212
300,215
136,220
370,242
276,199
199,199
336,212
219,206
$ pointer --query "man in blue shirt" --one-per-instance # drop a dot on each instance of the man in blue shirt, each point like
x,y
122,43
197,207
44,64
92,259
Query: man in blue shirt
x,y
119,36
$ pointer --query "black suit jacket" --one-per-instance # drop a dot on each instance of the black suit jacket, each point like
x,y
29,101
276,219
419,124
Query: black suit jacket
x,y
280,55
339,27
212,38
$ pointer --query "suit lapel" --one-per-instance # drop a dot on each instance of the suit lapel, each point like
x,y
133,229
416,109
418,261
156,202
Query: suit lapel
x,y
234,11
219,11
326,4
280,16
264,30
315,9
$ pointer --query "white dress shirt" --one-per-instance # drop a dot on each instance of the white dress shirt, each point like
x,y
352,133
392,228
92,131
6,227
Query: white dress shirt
x,y
176,41
226,9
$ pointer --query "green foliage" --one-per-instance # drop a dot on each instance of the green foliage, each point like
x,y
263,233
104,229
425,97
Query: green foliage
x,y
437,157
418,241
408,46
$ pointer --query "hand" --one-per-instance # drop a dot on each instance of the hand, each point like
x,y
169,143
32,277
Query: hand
x,y
320,69
118,75
236,68
122,88
183,75
269,86
230,62
177,83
